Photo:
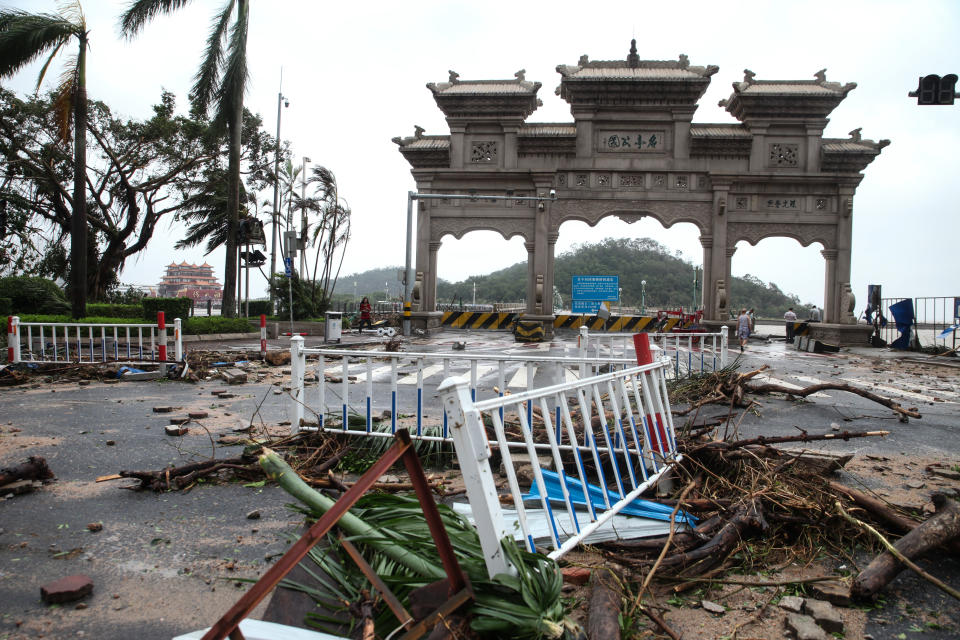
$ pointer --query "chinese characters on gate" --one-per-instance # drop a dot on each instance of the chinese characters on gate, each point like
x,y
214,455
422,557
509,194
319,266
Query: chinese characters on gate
x,y
631,141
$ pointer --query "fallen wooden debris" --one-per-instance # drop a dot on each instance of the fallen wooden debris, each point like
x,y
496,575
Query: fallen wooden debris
x,y
941,527
604,615
834,386
35,468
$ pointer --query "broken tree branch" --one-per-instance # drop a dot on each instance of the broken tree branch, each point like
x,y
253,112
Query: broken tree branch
x,y
834,386
35,468
887,565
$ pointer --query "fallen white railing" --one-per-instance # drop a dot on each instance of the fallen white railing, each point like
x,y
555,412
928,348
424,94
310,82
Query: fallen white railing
x,y
628,446
91,342
408,371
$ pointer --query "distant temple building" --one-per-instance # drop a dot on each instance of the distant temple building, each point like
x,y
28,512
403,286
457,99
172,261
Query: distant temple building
x,y
190,281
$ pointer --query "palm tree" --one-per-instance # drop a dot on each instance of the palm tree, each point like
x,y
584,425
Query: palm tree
x,y
220,81
332,232
25,37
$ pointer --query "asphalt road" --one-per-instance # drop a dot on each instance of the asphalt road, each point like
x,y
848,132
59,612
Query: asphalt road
x,y
168,563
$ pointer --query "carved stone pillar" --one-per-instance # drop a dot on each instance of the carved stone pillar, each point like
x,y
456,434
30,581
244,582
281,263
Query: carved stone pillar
x,y
843,259
549,281
831,287
531,279
423,255
706,287
719,266
728,255
431,277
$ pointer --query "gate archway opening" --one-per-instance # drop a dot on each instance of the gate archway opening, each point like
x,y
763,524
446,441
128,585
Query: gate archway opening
x,y
753,262
469,256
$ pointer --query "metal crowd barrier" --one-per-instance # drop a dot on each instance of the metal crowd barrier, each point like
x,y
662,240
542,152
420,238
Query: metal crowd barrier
x,y
612,434
91,342
690,353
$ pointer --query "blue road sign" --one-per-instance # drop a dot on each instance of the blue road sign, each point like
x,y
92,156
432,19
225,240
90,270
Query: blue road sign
x,y
596,288
585,306
288,266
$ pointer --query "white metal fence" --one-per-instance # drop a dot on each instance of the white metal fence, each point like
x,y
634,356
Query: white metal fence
x,y
90,342
689,352
606,439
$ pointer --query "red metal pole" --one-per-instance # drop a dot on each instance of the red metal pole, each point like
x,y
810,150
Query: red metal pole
x,y
641,344
10,339
162,327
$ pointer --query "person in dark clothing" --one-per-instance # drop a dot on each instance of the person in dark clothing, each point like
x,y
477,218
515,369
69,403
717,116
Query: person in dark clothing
x,y
365,317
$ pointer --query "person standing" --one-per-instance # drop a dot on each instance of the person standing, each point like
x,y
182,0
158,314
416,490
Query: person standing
x,y
790,317
365,318
753,320
814,313
743,328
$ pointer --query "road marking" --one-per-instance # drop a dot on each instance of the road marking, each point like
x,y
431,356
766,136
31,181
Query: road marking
x,y
897,391
427,372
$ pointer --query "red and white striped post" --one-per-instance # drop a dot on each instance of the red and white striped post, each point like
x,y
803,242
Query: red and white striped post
x,y
263,335
10,339
162,328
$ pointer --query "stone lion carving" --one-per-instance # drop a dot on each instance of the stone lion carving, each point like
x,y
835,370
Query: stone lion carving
x,y
847,302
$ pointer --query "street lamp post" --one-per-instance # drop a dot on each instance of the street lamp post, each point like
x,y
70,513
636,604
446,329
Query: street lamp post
x,y
276,191
643,296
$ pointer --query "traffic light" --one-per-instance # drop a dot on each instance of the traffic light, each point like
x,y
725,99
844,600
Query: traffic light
x,y
933,89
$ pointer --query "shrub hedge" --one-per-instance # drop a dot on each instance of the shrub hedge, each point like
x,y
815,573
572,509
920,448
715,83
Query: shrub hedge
x,y
29,293
191,326
258,307
215,324
172,307
107,310
6,307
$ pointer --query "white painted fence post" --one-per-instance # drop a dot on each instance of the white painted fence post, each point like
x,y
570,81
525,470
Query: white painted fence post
x,y
177,339
724,346
473,454
583,343
298,365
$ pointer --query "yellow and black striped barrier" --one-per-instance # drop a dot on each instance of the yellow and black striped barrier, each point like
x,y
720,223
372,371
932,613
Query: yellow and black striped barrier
x,y
477,319
615,324
618,324
801,328
528,331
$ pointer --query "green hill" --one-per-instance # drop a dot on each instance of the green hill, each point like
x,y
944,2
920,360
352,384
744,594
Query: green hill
x,y
669,279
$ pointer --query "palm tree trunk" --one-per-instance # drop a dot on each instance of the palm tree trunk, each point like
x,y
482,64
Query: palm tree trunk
x,y
234,126
78,221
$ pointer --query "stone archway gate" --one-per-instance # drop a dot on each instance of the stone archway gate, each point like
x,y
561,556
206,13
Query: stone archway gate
x,y
633,150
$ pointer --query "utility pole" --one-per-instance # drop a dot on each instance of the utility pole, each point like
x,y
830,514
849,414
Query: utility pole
x,y
276,191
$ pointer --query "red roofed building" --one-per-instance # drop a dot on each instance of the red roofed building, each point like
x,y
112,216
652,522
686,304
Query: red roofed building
x,y
195,281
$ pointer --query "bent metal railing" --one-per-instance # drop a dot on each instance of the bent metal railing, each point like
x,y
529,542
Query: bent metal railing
x,y
353,374
91,342
612,434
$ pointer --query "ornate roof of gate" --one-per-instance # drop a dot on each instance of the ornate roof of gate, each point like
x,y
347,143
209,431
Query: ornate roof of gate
x,y
457,98
762,99
633,81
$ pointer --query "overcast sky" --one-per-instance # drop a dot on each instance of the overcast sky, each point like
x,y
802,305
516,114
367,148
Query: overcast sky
x,y
354,74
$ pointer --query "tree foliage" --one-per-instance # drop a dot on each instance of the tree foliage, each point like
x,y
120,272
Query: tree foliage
x,y
669,279
136,172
